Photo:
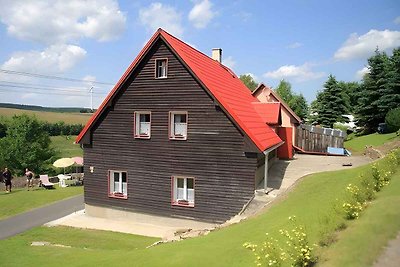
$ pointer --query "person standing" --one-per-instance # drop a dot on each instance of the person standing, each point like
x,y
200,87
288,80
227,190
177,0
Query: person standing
x,y
29,175
7,179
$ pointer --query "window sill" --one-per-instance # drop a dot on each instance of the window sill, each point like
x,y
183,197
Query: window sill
x,y
142,136
178,138
188,205
118,195
164,77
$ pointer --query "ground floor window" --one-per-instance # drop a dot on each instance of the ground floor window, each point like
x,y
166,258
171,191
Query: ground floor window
x,y
118,186
183,191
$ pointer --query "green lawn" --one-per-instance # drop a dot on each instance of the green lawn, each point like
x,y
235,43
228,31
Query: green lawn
x,y
21,200
312,201
65,147
357,144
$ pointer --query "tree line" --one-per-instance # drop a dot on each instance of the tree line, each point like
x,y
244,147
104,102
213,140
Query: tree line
x,y
376,99
373,100
52,129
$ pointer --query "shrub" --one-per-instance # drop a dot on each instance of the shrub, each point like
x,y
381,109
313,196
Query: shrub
x,y
392,120
296,249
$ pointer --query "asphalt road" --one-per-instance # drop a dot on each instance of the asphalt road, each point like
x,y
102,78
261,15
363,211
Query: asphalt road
x,y
39,216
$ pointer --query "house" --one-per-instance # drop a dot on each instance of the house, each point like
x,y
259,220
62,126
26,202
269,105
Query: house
x,y
177,136
280,117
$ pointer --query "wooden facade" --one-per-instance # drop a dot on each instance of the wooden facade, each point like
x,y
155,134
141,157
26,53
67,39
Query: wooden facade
x,y
213,154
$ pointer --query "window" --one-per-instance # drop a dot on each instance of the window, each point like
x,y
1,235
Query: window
x,y
178,125
118,186
142,124
183,191
161,68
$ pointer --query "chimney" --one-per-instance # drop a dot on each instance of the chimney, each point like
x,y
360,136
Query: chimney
x,y
217,54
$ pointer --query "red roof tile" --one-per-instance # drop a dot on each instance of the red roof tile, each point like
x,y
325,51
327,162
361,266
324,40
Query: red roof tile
x,y
220,81
269,112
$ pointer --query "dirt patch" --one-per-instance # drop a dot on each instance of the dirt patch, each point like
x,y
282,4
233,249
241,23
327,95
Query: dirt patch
x,y
378,152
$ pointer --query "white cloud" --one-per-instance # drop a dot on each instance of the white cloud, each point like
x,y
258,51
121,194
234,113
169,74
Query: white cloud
x,y
300,73
360,73
60,21
294,45
397,20
201,14
229,62
364,45
158,15
53,59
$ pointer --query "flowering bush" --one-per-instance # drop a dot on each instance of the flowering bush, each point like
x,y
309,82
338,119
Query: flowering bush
x,y
296,249
381,177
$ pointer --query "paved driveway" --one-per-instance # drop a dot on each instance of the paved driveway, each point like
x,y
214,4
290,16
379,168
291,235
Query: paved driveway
x,y
27,220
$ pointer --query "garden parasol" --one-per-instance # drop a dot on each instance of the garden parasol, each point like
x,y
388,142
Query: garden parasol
x,y
63,162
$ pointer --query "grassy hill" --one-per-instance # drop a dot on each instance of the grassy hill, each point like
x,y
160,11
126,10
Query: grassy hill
x,y
67,117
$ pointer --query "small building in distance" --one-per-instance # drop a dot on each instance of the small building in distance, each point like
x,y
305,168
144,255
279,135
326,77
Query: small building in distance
x,y
279,116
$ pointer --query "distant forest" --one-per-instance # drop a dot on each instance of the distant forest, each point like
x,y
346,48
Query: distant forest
x,y
49,109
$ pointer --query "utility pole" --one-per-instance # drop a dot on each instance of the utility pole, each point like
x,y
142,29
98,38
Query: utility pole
x,y
91,98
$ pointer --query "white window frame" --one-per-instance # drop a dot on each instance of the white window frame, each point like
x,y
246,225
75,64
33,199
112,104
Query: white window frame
x,y
164,73
122,190
185,200
173,125
138,124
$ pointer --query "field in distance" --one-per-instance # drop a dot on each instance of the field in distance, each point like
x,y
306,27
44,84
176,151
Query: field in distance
x,y
68,118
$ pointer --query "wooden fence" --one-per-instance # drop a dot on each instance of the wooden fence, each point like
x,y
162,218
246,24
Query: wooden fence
x,y
318,139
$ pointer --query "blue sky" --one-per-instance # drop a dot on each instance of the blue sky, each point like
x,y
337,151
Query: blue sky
x,y
95,40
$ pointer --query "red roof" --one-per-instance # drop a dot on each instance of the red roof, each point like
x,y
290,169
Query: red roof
x,y
261,86
269,112
229,91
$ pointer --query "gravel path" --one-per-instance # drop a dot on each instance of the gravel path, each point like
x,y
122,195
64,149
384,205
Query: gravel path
x,y
391,255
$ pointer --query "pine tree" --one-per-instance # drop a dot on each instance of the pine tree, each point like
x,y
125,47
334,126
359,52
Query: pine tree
x,y
371,110
330,106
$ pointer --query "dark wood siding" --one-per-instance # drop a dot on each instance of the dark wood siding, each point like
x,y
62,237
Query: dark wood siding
x,y
213,153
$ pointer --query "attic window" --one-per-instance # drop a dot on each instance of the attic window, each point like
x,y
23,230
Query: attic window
x,y
161,68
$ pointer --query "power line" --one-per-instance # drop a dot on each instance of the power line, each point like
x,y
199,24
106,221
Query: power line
x,y
45,86
47,92
46,89
49,77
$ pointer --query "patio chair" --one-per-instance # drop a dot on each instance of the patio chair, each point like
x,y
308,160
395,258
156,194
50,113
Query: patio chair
x,y
44,182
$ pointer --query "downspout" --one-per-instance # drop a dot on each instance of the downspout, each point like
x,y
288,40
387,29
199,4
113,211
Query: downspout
x,y
266,153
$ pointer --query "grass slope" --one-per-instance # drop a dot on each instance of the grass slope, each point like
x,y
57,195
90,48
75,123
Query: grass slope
x,y
65,147
68,118
357,144
378,224
21,200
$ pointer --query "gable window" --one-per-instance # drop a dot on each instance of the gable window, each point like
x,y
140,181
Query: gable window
x,y
161,68
117,184
183,191
178,125
142,124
